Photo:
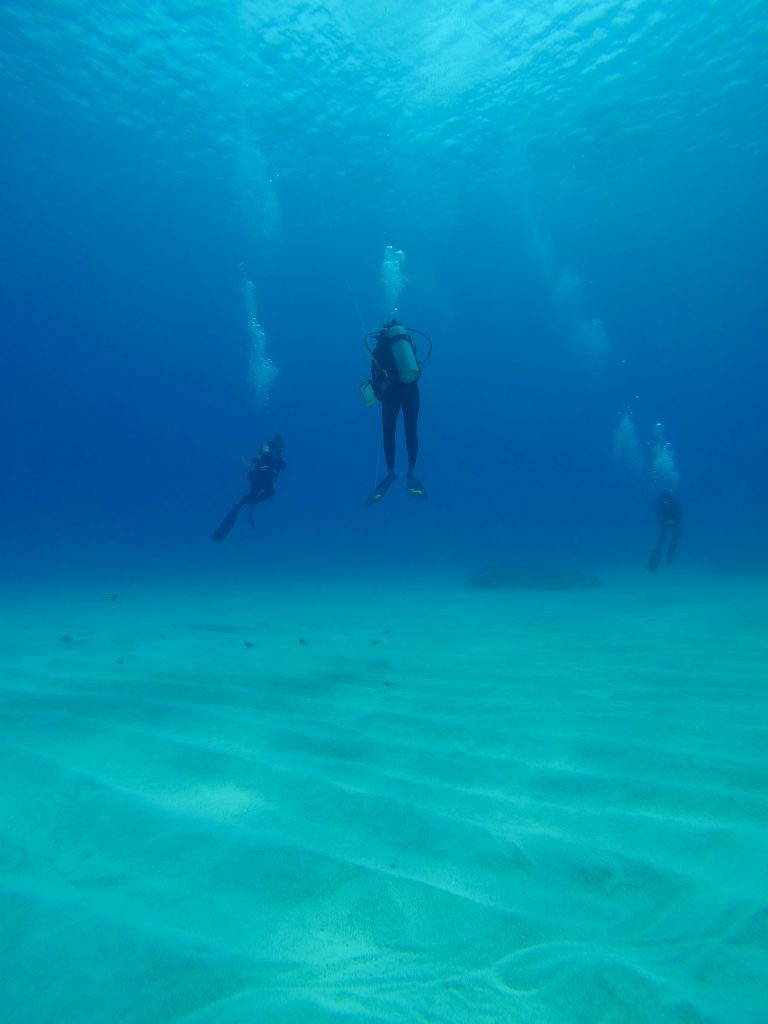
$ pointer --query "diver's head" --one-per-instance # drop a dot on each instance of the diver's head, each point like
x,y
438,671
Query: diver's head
x,y
388,325
275,444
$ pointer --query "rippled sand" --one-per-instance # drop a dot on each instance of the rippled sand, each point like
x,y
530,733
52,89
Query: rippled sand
x,y
448,805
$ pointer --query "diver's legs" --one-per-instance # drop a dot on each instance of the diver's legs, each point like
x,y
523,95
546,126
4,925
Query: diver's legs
x,y
672,547
655,558
658,551
411,421
390,407
411,404
264,492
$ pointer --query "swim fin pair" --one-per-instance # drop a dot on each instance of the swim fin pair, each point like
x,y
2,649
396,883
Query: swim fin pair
x,y
413,485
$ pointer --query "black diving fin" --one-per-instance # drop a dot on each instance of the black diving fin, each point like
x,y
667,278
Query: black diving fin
x,y
226,524
653,561
381,489
415,487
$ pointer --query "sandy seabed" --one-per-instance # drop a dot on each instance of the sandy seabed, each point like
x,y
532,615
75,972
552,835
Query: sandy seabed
x,y
318,801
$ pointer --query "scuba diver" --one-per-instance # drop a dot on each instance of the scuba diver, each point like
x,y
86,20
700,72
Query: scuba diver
x,y
395,373
263,470
669,512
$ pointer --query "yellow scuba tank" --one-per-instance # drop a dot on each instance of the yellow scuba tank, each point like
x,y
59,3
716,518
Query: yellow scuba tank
x,y
408,369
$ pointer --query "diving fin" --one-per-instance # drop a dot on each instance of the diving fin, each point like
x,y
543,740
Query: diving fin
x,y
415,487
653,561
381,489
673,546
226,524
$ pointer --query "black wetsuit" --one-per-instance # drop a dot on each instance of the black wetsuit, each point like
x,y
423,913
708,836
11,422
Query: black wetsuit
x,y
669,513
262,476
394,395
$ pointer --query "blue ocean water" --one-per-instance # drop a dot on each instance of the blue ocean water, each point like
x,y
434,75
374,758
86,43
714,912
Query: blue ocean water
x,y
295,776
579,194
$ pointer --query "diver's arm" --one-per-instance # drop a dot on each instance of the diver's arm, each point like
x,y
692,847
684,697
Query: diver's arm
x,y
377,378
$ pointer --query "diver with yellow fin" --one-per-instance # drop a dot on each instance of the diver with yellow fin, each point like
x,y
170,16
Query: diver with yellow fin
x,y
395,373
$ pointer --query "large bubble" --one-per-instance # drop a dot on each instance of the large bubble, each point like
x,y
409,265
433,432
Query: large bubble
x,y
261,370
663,469
393,278
626,446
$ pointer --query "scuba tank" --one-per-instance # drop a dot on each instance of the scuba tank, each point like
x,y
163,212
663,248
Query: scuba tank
x,y
408,370
403,350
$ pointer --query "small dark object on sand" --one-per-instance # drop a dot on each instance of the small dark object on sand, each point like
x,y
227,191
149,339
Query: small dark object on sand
x,y
248,644
303,642
532,577
66,639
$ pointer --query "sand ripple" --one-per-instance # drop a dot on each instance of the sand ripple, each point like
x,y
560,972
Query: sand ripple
x,y
507,825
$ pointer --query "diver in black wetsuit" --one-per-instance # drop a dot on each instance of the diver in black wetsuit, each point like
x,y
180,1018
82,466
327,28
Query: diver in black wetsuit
x,y
263,470
669,512
395,373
